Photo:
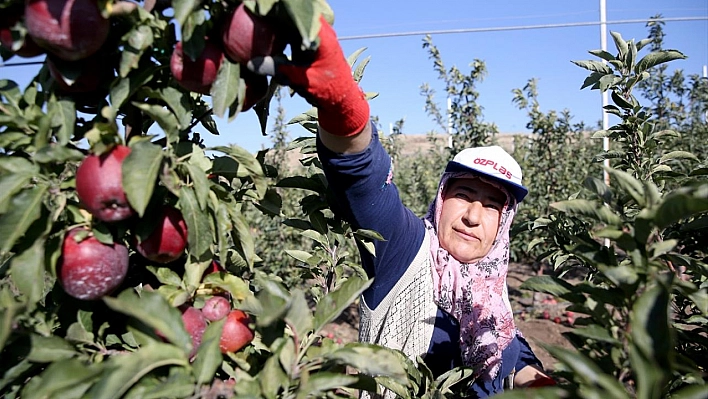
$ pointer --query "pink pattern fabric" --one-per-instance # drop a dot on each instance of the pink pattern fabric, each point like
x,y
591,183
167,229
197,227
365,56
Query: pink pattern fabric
x,y
475,293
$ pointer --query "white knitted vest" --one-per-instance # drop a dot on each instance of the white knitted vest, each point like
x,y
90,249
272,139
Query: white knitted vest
x,y
405,318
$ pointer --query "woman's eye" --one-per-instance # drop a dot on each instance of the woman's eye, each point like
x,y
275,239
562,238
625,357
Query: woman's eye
x,y
494,206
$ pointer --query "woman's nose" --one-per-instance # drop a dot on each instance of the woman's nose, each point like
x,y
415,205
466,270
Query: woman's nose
x,y
473,213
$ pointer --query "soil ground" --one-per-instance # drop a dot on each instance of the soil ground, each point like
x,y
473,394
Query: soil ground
x,y
540,318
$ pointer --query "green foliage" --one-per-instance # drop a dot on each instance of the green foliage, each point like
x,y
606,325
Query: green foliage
x,y
643,298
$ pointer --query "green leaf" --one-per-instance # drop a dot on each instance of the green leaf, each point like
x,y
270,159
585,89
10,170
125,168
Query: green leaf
x,y
7,319
199,234
272,378
369,235
63,113
603,54
318,221
201,184
336,301
183,8
302,256
209,355
660,248
595,333
164,117
180,104
315,236
588,208
50,349
61,376
594,66
673,155
324,381
165,275
587,372
139,39
123,371
27,270
11,184
651,332
629,184
153,310
623,102
621,44
16,164
307,183
680,204
305,15
223,230
657,57
24,209
11,92
124,88
55,153
236,286
652,373
359,356
225,89
299,316
691,392
548,284
140,169
244,237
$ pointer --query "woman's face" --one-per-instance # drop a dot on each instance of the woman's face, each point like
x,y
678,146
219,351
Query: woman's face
x,y
469,218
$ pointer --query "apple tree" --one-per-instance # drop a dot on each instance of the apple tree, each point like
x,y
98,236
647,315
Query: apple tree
x,y
128,261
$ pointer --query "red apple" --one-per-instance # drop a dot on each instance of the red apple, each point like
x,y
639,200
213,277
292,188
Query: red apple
x,y
247,35
214,267
26,47
195,324
167,241
196,75
236,333
70,29
90,269
216,308
99,185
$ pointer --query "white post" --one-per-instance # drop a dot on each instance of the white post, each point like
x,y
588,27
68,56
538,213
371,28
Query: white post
x,y
449,122
705,75
605,94
605,98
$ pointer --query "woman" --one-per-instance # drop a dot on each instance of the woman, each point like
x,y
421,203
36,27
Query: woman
x,y
439,288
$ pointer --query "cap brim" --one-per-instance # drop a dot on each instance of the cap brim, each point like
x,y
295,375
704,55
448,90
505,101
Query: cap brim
x,y
519,192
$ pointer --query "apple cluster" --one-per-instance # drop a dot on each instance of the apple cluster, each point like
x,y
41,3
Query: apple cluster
x,y
72,33
235,334
244,36
90,269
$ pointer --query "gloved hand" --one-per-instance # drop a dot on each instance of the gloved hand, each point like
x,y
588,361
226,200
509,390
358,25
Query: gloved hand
x,y
324,79
542,382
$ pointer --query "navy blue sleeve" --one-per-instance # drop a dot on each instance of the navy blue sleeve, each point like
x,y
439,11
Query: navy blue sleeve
x,y
526,355
367,198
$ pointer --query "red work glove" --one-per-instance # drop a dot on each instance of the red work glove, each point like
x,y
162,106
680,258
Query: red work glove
x,y
542,382
324,78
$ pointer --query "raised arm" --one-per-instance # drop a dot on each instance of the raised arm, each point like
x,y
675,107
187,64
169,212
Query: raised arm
x,y
324,78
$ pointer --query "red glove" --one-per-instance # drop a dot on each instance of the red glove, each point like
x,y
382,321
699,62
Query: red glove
x,y
325,80
542,382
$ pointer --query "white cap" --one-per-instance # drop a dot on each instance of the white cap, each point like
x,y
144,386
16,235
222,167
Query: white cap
x,y
492,162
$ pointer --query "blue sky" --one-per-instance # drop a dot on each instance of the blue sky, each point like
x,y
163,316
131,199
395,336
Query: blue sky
x,y
399,65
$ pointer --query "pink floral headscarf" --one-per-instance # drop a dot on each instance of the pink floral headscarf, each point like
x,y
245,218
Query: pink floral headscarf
x,y
475,293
